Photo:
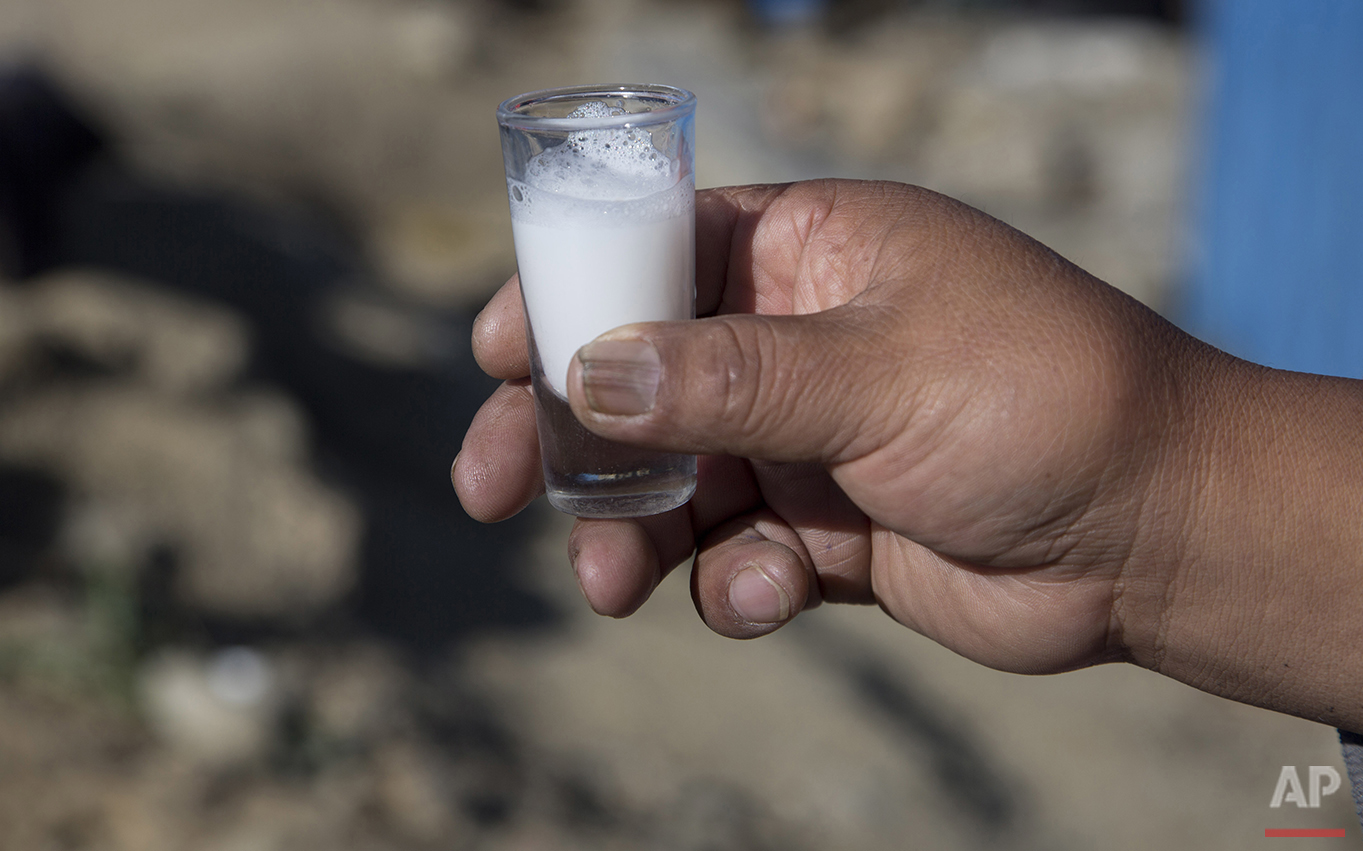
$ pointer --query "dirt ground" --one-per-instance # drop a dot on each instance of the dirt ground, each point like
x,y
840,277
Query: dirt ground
x,y
240,608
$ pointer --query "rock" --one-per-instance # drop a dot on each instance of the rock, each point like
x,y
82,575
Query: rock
x,y
709,816
376,108
61,759
353,695
137,818
223,483
169,341
370,327
413,791
444,254
895,70
36,616
221,709
989,147
434,40
105,535
1073,133
1090,59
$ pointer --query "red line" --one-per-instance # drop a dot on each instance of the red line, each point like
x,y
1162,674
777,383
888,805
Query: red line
x,y
1336,832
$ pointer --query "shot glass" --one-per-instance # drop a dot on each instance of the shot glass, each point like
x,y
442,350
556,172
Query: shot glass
x,y
602,191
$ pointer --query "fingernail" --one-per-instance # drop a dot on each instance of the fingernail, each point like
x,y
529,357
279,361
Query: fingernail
x,y
620,376
757,598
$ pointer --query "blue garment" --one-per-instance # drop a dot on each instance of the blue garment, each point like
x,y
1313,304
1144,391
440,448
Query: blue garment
x,y
1279,274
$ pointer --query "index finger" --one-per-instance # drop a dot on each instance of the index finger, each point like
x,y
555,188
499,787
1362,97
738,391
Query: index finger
x,y
726,220
499,334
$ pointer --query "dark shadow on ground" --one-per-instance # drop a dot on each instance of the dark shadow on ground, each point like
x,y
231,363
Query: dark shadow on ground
x,y
30,511
430,574
967,778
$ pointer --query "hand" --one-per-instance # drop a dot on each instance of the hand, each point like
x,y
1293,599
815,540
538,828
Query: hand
x,y
950,420
903,401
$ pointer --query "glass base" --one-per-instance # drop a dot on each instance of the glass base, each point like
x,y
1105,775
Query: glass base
x,y
589,476
616,505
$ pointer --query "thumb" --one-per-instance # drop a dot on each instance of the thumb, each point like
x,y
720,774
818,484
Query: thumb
x,y
811,387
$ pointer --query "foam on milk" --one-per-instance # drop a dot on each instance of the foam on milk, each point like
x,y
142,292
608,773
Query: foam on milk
x,y
605,235
612,164
569,181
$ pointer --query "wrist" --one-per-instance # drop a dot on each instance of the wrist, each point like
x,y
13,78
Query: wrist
x,y
1254,590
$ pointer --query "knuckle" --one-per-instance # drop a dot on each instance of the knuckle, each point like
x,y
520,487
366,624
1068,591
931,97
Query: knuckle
x,y
755,392
764,387
728,388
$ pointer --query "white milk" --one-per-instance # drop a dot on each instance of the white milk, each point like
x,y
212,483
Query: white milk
x,y
605,235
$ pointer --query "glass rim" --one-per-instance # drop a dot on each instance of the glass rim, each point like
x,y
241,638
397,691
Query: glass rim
x,y
682,104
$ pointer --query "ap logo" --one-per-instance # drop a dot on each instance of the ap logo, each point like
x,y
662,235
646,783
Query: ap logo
x,y
1289,787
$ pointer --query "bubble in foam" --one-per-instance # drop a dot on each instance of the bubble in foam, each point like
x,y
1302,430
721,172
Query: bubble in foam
x,y
596,109
618,163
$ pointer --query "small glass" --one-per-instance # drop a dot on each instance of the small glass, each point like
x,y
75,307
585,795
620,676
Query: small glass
x,y
602,190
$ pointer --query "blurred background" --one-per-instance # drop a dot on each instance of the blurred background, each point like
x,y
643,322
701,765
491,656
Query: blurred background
x,y
242,244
